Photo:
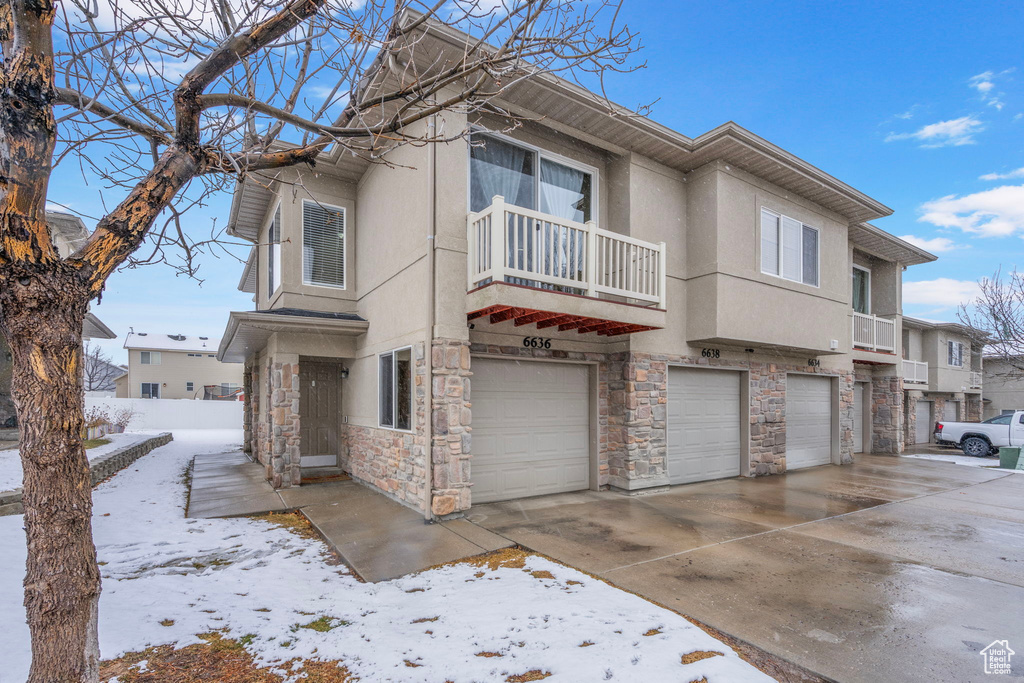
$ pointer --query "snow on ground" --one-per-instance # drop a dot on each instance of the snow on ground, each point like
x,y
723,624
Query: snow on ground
x,y
959,459
10,460
248,576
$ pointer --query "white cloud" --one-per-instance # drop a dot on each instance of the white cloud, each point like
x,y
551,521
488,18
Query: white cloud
x,y
984,83
954,132
941,293
998,212
1018,173
936,245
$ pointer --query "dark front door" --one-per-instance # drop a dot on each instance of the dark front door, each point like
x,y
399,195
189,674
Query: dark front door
x,y
319,401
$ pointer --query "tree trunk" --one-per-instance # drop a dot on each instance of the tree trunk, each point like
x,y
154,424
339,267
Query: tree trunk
x,y
41,314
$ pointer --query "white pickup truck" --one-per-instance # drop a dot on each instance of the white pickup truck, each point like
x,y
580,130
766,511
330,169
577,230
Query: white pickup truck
x,y
979,439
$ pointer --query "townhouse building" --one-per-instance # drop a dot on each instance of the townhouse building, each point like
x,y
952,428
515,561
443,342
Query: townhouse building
x,y
176,366
589,300
942,376
1003,387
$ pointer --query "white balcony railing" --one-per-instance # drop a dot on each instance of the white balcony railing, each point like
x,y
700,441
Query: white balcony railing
x,y
874,333
540,250
915,372
975,380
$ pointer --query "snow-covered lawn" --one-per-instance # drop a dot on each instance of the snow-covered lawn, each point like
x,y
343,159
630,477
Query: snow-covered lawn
x,y
252,578
10,460
959,459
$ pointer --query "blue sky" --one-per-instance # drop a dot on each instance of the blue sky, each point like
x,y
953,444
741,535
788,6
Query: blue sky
x,y
911,103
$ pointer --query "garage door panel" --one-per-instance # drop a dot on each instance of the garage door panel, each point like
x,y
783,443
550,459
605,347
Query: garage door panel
x,y
703,424
923,426
808,421
531,429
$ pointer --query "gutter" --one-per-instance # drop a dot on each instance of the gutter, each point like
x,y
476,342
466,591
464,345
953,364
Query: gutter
x,y
428,346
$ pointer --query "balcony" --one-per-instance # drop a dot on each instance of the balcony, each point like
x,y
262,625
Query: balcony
x,y
547,252
975,380
873,333
915,372
528,267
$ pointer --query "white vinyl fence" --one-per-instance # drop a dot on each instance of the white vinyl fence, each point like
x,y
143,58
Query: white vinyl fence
x,y
173,413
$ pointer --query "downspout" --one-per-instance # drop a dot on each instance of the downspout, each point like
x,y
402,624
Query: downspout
x,y
429,341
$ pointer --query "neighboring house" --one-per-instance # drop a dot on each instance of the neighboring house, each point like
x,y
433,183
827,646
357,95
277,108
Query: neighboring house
x,y
176,366
591,301
942,375
1003,387
69,233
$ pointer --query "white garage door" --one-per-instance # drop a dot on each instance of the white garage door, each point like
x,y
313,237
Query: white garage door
x,y
858,417
808,421
949,411
923,422
531,429
703,425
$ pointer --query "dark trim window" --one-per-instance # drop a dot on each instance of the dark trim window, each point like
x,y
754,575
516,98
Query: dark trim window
x,y
394,371
190,386
150,390
789,249
323,245
955,354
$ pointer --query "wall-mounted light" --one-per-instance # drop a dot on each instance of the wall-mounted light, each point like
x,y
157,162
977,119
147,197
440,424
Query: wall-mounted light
x,y
344,373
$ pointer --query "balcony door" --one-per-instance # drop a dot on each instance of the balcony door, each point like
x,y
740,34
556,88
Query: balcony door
x,y
861,290
532,179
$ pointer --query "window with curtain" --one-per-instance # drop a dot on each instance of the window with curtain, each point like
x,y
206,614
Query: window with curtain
x,y
789,249
861,291
395,389
274,253
323,245
534,180
500,168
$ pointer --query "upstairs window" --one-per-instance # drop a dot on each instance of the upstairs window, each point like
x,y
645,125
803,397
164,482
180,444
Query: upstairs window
x,y
789,249
323,245
395,389
861,290
274,253
528,178
150,358
955,354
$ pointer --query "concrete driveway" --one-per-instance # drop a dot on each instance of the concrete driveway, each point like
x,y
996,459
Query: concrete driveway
x,y
888,569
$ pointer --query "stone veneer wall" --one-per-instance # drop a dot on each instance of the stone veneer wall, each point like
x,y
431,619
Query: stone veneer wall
x,y
390,459
973,408
451,433
887,430
274,421
247,407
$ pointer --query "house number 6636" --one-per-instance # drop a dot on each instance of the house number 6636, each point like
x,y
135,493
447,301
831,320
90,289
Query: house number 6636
x,y
536,343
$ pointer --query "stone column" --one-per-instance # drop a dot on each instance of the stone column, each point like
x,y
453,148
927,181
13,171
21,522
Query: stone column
x,y
283,417
450,417
247,390
633,405
973,407
767,419
887,415
847,396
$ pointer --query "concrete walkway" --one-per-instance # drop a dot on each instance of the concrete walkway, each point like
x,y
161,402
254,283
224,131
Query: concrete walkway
x,y
892,569
379,538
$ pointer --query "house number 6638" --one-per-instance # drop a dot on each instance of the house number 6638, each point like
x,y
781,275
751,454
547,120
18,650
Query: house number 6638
x,y
536,343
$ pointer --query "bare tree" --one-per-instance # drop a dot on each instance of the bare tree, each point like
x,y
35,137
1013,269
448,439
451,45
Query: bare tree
x,y
166,101
98,369
996,318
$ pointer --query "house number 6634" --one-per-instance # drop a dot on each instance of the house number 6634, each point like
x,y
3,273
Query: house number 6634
x,y
536,343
